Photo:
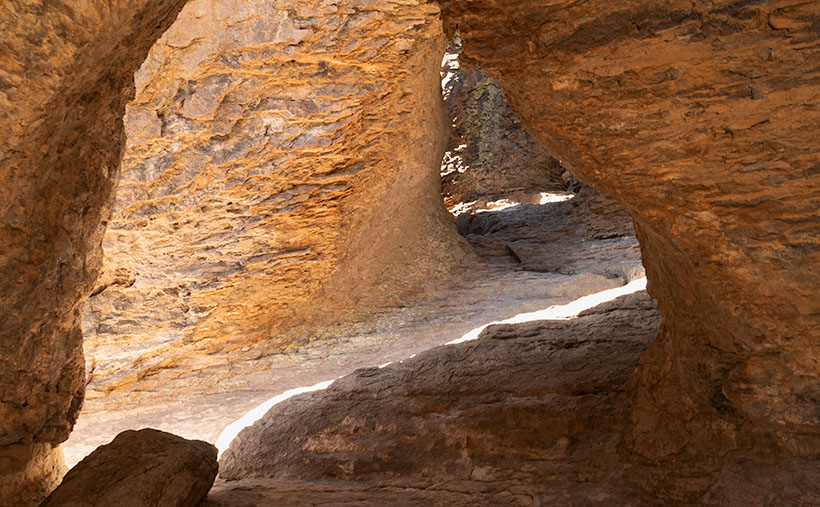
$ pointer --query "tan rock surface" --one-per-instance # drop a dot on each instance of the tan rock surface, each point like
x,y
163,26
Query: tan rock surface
x,y
146,468
281,174
202,403
702,118
66,73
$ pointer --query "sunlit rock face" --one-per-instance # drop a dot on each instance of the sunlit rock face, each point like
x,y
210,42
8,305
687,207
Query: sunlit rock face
x,y
702,119
281,173
66,73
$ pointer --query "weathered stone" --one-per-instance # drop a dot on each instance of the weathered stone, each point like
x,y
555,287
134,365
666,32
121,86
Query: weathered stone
x,y
591,244
281,174
444,414
701,117
528,414
145,468
515,204
489,156
66,73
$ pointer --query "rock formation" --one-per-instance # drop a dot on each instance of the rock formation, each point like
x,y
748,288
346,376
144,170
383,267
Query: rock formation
x,y
281,173
569,249
66,73
701,118
515,204
489,155
528,414
441,422
146,468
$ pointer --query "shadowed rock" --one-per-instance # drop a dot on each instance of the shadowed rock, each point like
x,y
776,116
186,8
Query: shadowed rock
x,y
529,404
66,73
701,117
144,468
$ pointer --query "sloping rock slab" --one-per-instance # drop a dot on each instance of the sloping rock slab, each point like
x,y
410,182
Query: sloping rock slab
x,y
529,404
141,469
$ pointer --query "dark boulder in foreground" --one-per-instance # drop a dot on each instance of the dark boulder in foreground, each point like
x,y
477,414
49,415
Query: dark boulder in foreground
x,y
140,468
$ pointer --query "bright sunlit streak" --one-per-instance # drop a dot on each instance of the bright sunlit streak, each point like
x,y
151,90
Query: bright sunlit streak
x,y
548,198
561,312
229,433
556,312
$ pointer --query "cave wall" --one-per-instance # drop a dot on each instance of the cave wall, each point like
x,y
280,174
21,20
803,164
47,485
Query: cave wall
x,y
66,73
280,173
702,118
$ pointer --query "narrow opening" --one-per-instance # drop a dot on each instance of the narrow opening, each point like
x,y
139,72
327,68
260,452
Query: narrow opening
x,y
515,204
217,157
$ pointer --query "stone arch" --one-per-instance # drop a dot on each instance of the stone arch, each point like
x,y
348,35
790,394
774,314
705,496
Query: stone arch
x,y
679,112
718,105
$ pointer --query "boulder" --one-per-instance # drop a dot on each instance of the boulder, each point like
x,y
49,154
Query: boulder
x,y
141,469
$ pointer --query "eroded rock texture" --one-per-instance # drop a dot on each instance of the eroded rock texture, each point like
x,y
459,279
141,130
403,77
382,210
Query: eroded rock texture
x,y
66,73
515,204
528,414
281,171
145,468
702,118
489,157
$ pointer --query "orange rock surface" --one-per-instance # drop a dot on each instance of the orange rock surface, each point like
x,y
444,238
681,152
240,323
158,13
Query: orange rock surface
x,y
702,118
66,73
281,173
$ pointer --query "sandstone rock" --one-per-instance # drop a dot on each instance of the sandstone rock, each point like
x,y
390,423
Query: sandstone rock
x,y
521,403
701,118
588,244
30,472
142,468
281,174
66,72
515,204
587,233
528,414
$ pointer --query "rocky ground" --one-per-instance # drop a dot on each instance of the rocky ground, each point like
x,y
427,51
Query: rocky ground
x,y
526,413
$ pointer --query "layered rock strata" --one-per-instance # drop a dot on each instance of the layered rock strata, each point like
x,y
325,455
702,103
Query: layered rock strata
x,y
569,249
525,414
528,414
701,118
66,73
281,173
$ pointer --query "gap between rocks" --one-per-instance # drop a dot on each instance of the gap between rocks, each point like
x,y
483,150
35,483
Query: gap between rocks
x,y
544,241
